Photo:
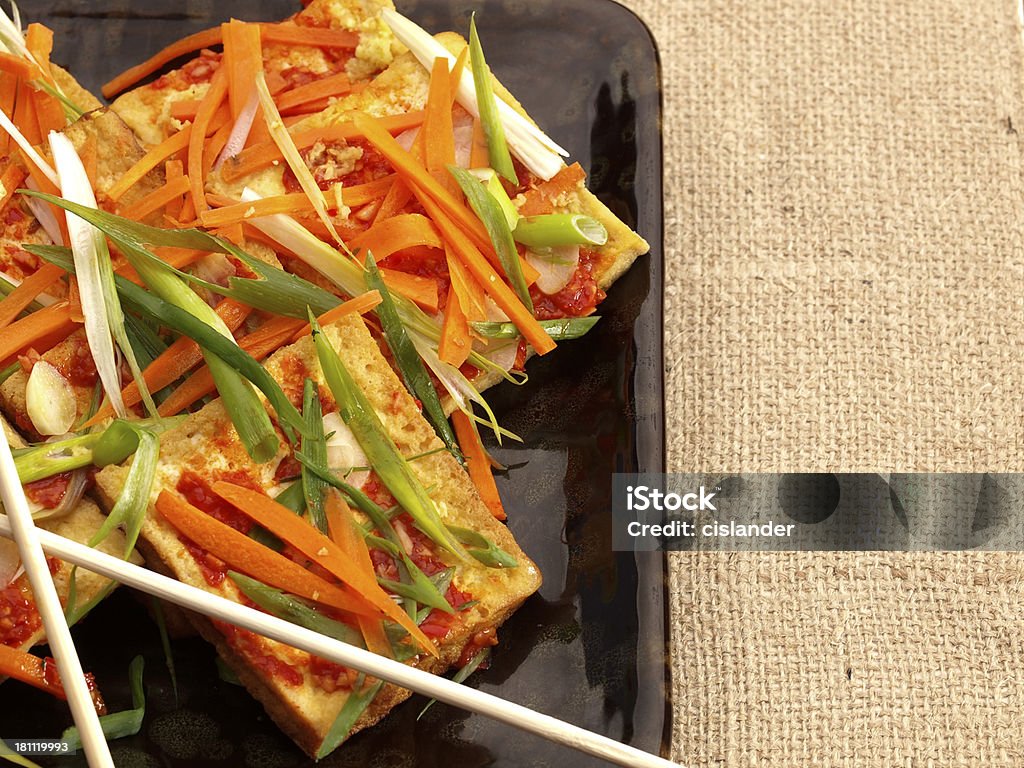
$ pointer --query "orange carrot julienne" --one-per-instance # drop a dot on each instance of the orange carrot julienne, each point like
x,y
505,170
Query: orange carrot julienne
x,y
232,233
471,295
477,463
456,343
359,305
249,556
16,66
158,198
156,155
175,361
539,199
421,290
49,113
184,109
272,33
211,102
333,85
455,76
39,42
42,324
74,299
25,115
11,179
485,274
261,155
214,145
30,669
478,154
438,132
395,200
243,59
396,234
17,300
173,169
8,93
300,534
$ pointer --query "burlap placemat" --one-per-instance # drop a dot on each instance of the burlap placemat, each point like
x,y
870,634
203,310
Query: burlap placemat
x,y
845,275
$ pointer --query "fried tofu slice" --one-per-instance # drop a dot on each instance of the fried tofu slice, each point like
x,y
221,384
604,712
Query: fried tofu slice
x,y
19,621
301,693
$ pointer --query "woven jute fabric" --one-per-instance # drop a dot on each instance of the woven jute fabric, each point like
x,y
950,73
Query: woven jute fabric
x,y
845,278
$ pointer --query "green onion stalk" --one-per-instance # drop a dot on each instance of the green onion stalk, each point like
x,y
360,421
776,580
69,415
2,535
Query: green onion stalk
x,y
555,230
490,118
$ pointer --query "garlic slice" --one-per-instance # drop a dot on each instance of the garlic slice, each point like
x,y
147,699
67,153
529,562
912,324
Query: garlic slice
x,y
50,400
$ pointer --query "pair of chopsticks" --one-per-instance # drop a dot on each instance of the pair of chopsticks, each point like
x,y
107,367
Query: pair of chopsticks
x,y
358,659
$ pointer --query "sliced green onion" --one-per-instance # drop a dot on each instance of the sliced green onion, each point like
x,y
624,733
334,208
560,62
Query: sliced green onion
x,y
409,363
13,757
9,371
356,703
497,191
104,318
133,501
283,139
490,212
561,329
557,229
460,677
314,445
483,549
494,129
293,497
119,724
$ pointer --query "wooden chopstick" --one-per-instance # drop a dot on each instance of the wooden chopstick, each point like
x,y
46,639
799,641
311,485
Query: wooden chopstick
x,y
358,659
25,534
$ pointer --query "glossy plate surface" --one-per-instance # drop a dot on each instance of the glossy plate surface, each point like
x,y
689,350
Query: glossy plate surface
x,y
590,647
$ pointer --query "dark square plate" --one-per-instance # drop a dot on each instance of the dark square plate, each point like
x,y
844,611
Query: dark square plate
x,y
591,646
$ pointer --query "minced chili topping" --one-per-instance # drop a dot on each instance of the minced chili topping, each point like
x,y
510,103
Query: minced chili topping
x,y
253,648
19,619
579,297
48,492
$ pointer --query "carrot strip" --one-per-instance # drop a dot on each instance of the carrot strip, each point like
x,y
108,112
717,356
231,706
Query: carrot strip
x,y
49,113
396,234
214,146
484,273
395,200
539,199
478,154
158,154
16,66
158,198
333,85
359,305
185,109
260,155
25,115
455,76
39,42
30,669
75,300
26,332
477,463
421,290
175,361
455,342
232,233
19,299
211,101
173,169
11,179
438,132
272,33
471,295
250,557
89,153
342,527
8,93
300,534
243,59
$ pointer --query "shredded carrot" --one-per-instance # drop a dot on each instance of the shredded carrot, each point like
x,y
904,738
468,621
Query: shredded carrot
x,y
33,285
39,42
158,198
173,169
175,361
539,199
158,154
359,305
396,199
214,146
438,132
456,342
477,463
333,85
185,109
471,295
260,155
243,59
301,535
89,154
11,179
484,273
30,669
479,157
232,233
455,77
25,115
272,33
396,234
30,330
8,92
342,527
16,66
75,300
47,186
49,113
249,556
211,101
421,290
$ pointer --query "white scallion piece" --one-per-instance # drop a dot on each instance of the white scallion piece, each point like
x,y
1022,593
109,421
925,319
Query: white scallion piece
x,y
343,450
402,675
530,144
50,400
